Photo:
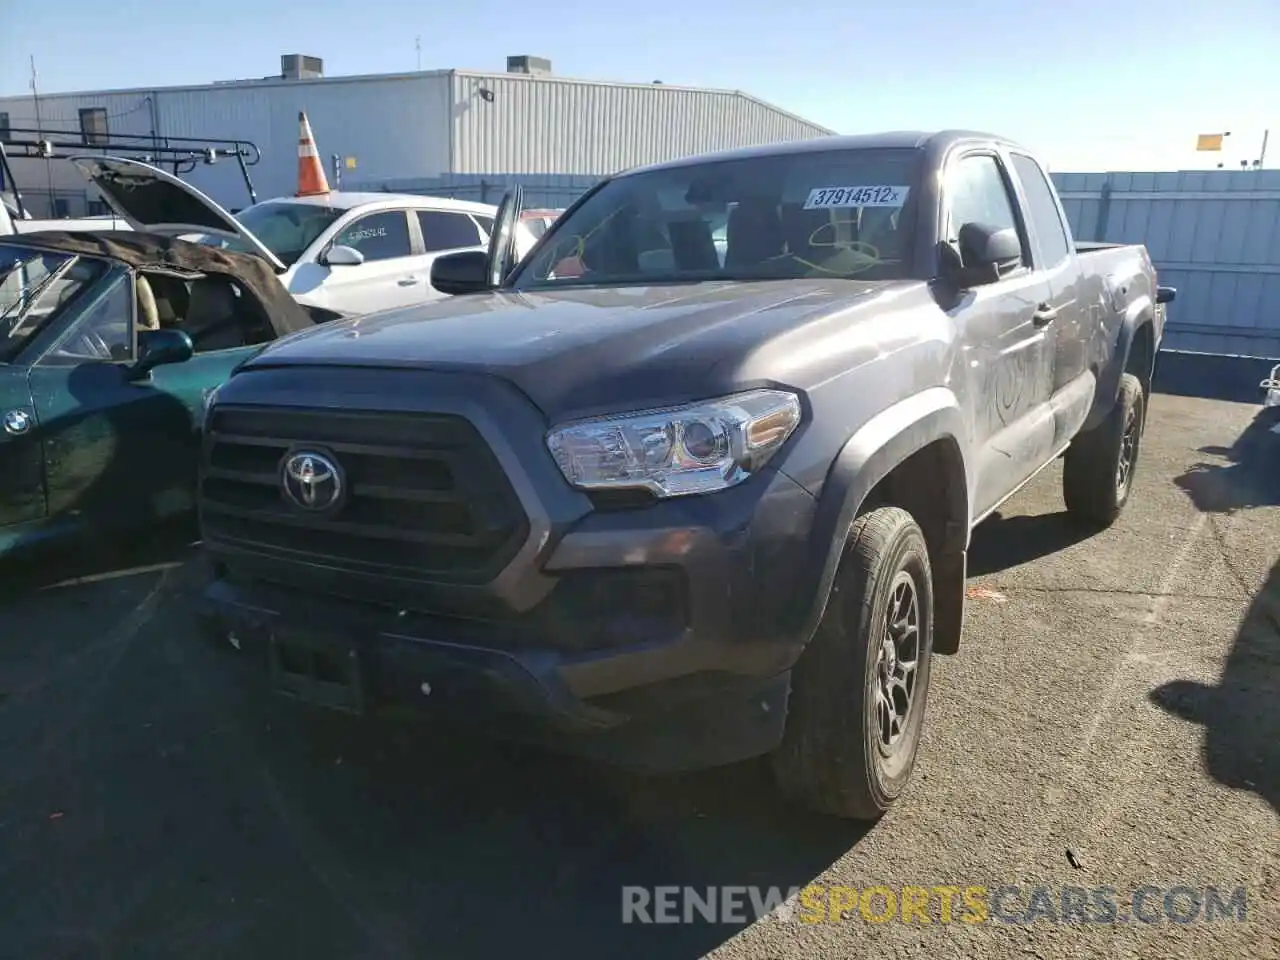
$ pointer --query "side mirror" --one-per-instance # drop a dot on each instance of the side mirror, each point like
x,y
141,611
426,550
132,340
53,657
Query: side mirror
x,y
986,254
464,272
159,347
340,256
1166,294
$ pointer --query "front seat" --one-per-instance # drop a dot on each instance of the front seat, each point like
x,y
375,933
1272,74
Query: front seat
x,y
753,234
212,320
148,312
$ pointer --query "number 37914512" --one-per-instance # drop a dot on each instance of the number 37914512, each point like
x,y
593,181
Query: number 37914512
x,y
867,196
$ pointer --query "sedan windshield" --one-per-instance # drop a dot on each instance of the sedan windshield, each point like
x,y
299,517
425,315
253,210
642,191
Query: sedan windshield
x,y
34,286
285,228
823,214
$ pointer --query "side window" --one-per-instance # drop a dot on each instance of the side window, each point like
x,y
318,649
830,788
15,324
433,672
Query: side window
x,y
379,236
447,231
486,224
1043,211
104,329
977,193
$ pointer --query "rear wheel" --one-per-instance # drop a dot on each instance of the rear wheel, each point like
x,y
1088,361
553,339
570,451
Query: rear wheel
x,y
858,691
1098,473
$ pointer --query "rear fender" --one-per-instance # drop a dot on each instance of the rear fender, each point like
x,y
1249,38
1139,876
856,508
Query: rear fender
x,y
1140,311
873,451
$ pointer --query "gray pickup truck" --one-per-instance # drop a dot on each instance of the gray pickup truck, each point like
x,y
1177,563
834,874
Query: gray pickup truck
x,y
693,481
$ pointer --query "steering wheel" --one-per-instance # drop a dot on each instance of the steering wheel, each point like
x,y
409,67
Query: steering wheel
x,y
863,255
95,344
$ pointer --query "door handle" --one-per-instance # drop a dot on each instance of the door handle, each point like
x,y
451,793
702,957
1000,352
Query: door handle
x,y
1045,314
407,281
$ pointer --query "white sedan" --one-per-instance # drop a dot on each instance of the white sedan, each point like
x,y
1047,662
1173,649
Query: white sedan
x,y
338,253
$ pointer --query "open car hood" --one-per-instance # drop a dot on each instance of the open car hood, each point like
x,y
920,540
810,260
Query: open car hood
x,y
151,200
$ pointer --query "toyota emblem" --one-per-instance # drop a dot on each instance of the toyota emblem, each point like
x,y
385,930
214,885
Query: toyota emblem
x,y
312,481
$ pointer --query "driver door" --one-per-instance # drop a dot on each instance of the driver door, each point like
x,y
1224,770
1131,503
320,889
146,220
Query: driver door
x,y
118,450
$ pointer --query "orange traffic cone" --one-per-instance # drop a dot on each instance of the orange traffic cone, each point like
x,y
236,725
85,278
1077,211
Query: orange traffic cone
x,y
311,178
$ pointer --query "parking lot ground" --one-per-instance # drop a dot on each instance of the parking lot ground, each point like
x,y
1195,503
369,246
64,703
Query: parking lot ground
x,y
1112,720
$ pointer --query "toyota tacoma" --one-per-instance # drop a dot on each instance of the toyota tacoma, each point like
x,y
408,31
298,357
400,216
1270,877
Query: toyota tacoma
x,y
693,481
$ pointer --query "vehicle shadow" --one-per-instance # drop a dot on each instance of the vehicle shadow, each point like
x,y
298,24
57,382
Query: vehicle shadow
x,y
470,832
170,805
1241,715
1001,541
1248,479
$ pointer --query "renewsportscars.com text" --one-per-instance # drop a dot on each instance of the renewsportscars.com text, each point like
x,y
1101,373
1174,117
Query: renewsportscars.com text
x,y
935,904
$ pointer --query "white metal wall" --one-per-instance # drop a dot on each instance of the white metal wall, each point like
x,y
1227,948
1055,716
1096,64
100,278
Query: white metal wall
x,y
394,126
419,127
557,126
128,112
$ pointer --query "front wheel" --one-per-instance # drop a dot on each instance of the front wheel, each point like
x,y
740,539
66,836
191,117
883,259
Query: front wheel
x,y
1097,476
858,691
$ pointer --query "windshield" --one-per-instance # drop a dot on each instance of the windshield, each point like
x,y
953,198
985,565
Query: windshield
x,y
829,214
286,229
34,286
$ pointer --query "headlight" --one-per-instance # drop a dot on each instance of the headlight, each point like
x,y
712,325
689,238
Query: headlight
x,y
698,448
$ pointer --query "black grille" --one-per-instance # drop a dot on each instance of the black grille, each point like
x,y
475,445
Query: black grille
x,y
426,498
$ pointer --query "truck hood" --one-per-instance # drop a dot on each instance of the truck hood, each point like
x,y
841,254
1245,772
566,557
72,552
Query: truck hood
x,y
588,350
151,200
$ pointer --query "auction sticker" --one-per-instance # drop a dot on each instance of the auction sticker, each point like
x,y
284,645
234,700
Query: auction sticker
x,y
872,196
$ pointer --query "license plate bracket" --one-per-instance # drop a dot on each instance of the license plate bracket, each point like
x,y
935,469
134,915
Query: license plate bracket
x,y
317,669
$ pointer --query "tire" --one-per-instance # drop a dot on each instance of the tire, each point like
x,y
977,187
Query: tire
x,y
833,757
1097,476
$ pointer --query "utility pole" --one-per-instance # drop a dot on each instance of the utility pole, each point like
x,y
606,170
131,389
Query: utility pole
x,y
417,46
35,100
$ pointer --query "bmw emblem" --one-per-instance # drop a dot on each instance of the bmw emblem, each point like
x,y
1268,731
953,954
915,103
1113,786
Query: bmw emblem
x,y
312,481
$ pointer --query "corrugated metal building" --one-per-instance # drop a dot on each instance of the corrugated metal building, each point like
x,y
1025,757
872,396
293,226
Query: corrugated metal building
x,y
418,127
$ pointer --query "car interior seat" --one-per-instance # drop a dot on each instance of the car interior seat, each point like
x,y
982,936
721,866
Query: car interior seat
x,y
170,295
212,319
753,234
148,314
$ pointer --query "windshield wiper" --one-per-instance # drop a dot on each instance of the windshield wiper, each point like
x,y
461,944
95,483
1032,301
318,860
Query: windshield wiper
x,y
27,298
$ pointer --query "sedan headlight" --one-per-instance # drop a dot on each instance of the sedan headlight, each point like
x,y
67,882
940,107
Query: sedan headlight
x,y
677,451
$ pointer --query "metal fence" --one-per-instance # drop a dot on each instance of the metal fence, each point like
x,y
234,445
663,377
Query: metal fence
x,y
540,189
1215,235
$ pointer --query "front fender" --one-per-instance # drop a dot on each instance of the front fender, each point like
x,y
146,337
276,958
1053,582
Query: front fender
x,y
875,449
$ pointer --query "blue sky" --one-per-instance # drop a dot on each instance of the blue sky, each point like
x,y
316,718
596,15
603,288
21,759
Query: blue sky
x,y
1093,84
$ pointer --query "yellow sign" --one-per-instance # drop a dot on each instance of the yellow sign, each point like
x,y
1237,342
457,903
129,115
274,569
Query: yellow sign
x,y
1209,141
350,162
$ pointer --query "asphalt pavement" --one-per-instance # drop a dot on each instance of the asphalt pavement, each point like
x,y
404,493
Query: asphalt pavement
x,y
1112,720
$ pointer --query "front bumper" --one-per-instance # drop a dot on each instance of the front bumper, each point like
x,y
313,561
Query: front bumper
x,y
697,720
657,638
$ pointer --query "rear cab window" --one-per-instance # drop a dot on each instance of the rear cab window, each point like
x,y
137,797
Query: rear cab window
x,y
1042,210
